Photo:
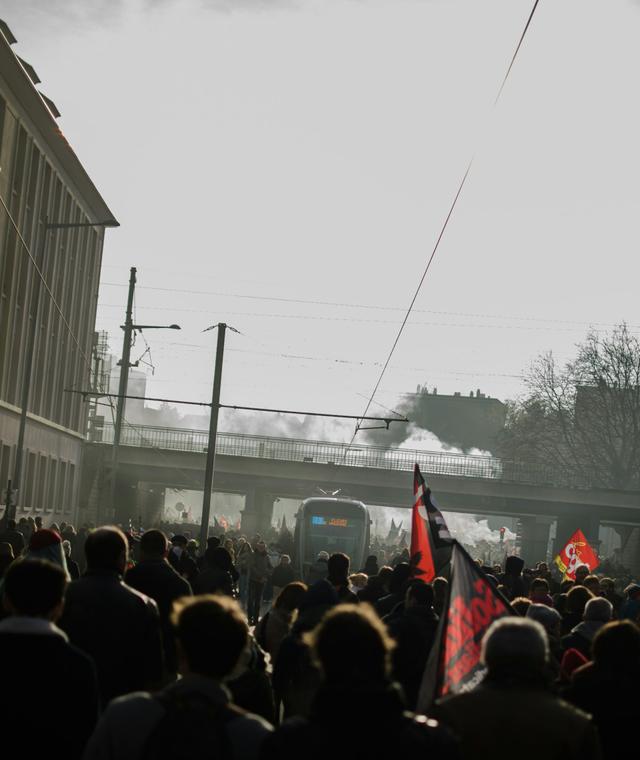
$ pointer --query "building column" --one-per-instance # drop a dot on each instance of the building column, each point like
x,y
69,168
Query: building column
x,y
535,539
126,499
149,505
257,513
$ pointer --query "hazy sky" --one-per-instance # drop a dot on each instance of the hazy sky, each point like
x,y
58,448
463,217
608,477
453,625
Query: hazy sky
x,y
286,167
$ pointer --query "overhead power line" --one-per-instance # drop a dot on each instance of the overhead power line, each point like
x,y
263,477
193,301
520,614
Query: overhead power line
x,y
443,229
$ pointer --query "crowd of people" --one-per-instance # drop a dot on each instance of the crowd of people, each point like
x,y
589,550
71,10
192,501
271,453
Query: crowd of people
x,y
118,646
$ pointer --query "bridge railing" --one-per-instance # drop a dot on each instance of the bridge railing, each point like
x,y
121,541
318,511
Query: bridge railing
x,y
322,452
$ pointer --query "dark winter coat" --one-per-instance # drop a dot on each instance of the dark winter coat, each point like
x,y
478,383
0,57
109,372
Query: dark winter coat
x,y
525,721
49,698
348,723
158,580
610,695
414,632
119,628
283,575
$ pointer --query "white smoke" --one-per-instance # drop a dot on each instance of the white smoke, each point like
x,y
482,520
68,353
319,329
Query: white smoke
x,y
420,439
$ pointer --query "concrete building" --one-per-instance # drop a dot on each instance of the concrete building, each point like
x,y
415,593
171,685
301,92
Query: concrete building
x,y
43,183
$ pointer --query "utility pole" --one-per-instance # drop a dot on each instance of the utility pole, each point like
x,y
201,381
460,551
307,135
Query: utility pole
x,y
213,434
124,364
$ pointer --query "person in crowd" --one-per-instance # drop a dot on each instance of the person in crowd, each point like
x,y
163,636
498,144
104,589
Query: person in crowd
x,y
283,574
154,577
370,566
116,625
630,608
192,717
319,570
357,583
14,537
357,711
515,653
539,592
72,565
47,544
243,558
276,624
592,582
397,588
38,523
577,599
440,589
607,687
295,677
570,662
520,605
512,578
414,631
338,577
216,576
25,528
560,603
46,680
609,592
259,571
250,683
180,560
228,545
6,556
551,621
375,588
597,613
582,572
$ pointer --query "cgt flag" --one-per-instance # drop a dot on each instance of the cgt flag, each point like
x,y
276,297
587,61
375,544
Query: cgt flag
x,y
576,552
473,604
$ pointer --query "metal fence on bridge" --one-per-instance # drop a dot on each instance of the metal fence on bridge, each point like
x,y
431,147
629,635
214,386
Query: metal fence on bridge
x,y
322,452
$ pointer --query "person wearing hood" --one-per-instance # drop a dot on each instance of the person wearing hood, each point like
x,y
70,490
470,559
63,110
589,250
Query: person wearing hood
x,y
356,712
370,566
597,613
512,578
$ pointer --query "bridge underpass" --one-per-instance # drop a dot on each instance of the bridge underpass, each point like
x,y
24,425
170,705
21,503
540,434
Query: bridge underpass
x,y
263,469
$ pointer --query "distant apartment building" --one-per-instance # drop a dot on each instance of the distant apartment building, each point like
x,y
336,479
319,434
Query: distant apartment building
x,y
42,183
473,421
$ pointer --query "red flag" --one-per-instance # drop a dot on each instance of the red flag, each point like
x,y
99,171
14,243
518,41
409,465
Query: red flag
x,y
576,552
472,606
421,554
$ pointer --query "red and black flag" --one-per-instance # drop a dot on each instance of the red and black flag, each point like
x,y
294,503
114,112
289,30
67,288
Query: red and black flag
x,y
429,531
472,606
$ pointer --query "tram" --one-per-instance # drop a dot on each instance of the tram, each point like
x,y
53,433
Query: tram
x,y
331,524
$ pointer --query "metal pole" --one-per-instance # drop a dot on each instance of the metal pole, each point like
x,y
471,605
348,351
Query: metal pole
x,y
122,387
213,433
28,367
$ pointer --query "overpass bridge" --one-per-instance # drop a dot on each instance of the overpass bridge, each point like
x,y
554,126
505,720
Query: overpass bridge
x,y
264,468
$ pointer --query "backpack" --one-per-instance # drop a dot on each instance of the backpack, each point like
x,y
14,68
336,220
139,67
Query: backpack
x,y
191,727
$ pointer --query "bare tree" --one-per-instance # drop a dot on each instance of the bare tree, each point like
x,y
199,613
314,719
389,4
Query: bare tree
x,y
583,417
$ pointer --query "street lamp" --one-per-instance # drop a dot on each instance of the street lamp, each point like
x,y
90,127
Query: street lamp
x,y
31,339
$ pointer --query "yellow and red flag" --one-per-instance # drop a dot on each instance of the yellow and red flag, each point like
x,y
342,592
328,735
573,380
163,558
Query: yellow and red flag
x,y
576,552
